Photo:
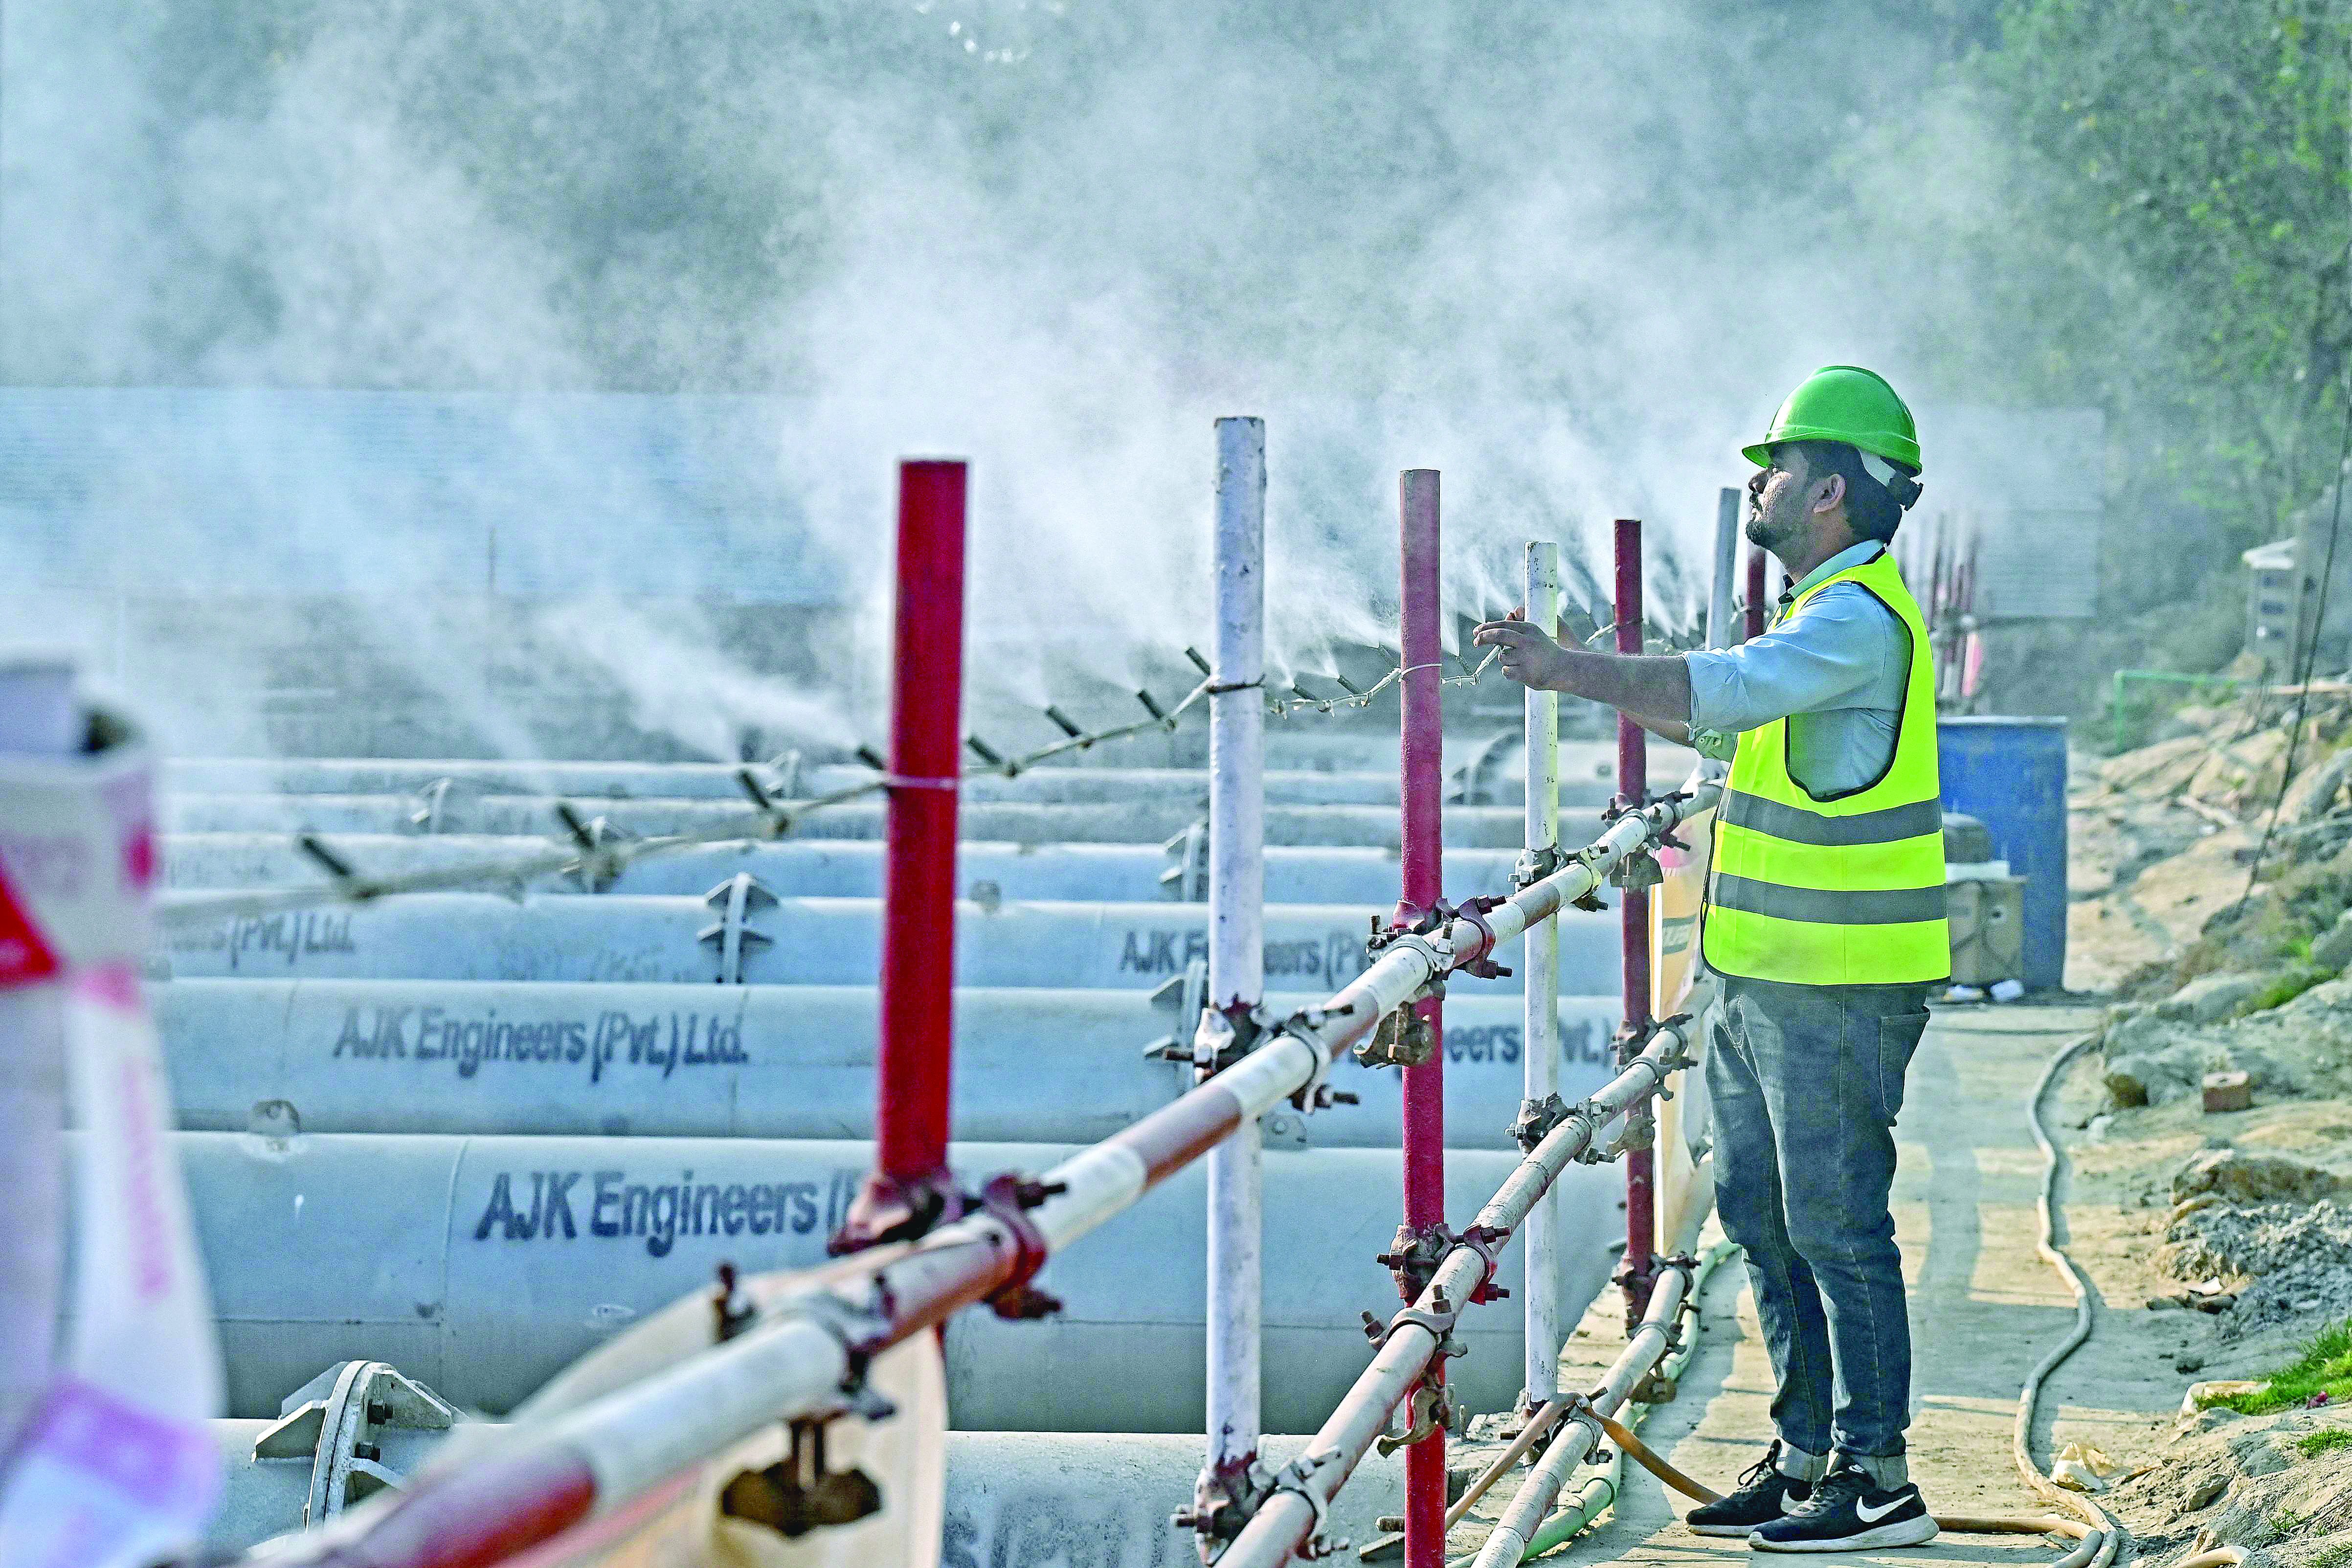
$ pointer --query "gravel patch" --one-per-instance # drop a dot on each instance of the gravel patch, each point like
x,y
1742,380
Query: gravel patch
x,y
2295,1259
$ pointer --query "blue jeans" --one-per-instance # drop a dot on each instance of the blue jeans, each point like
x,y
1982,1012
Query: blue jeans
x,y
1806,1081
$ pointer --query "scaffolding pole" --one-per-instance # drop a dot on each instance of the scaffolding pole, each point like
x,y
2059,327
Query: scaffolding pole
x,y
1236,965
1422,781
910,1188
1633,911
1724,584
1539,1060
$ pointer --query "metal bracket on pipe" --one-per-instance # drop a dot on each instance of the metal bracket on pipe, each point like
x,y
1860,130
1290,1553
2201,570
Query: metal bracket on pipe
x,y
598,866
732,935
338,1433
1481,965
1187,876
1534,865
1640,1131
799,1493
1590,900
1537,1119
431,801
1225,1035
1304,1026
1432,1407
1402,1039
1185,993
1295,1477
1414,1258
1223,1504
1009,1197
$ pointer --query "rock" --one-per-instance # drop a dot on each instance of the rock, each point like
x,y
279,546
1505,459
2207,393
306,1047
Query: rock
x,y
2205,1493
2196,1399
2154,1078
2235,1176
2333,950
2214,997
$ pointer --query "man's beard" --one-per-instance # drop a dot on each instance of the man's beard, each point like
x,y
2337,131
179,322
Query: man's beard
x,y
1762,533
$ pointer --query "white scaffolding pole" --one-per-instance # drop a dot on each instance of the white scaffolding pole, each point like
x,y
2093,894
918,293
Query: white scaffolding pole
x,y
1236,945
1723,588
1539,1059
36,718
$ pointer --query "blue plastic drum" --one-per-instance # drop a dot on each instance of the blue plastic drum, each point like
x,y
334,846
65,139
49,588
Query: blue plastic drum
x,y
2010,774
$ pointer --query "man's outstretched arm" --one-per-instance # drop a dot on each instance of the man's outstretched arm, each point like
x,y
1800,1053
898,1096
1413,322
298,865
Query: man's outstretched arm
x,y
1654,692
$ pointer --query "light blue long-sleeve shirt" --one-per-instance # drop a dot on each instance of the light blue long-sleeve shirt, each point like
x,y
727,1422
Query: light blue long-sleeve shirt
x,y
1835,671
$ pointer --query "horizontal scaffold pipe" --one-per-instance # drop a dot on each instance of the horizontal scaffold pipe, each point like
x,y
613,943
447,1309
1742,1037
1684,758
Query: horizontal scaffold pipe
x,y
1015,1498
1291,1515
1143,820
1577,1433
792,1359
763,1061
1587,778
787,941
836,868
482,1266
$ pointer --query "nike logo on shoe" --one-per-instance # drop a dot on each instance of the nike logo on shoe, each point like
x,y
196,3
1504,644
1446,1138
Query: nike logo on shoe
x,y
1869,1515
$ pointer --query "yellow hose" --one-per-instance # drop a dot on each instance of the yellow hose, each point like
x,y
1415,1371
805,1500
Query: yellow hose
x,y
1957,1523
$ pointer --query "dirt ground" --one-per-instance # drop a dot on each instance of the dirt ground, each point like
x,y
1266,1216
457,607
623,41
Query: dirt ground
x,y
1985,1307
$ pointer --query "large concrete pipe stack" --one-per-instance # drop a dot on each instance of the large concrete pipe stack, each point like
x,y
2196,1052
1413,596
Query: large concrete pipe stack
x,y
469,1134
743,934
480,1266
768,1061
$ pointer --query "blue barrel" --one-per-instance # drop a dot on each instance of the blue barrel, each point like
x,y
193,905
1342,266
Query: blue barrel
x,y
2010,774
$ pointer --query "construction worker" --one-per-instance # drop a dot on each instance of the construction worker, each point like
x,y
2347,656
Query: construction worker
x,y
1824,921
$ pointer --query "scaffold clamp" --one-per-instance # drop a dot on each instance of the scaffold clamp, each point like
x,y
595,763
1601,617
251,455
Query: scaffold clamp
x,y
1295,1477
1225,1034
1537,1119
1534,865
1432,1407
1481,965
1403,1038
1009,1197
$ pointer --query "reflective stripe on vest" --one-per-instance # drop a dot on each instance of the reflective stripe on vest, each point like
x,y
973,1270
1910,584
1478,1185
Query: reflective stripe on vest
x,y
1842,891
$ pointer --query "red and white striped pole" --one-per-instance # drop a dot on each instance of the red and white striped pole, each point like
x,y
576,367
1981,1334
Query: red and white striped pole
x,y
910,1188
1632,791
1423,790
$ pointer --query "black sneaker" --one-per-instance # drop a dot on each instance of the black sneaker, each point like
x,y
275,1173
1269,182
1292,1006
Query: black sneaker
x,y
1764,1495
1846,1512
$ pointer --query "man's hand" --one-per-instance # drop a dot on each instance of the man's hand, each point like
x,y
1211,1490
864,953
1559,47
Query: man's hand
x,y
1528,657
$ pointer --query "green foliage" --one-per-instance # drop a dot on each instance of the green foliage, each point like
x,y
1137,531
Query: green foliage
x,y
2152,213
2324,1367
2335,1553
2311,1444
2287,986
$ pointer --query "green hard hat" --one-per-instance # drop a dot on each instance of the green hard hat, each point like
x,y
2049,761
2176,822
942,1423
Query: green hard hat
x,y
1843,403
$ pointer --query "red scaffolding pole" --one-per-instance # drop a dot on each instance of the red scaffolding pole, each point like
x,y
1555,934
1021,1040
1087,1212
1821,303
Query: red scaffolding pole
x,y
910,1188
1633,792
1423,789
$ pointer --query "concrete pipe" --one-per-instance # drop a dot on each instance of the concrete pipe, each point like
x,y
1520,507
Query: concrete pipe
x,y
763,1061
845,869
1587,774
1135,821
741,934
1015,1499
481,1266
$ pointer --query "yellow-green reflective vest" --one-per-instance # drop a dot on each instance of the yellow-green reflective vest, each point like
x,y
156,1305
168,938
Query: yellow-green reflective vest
x,y
1848,890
